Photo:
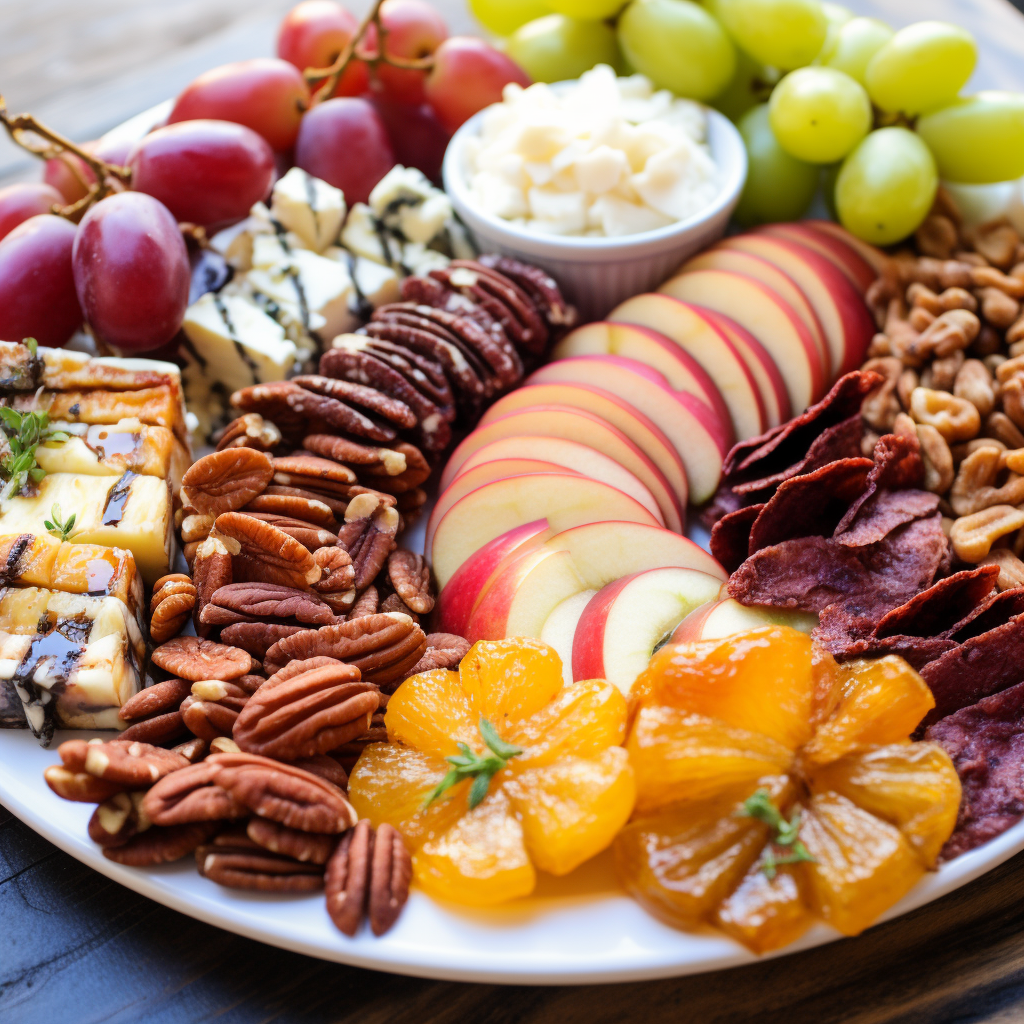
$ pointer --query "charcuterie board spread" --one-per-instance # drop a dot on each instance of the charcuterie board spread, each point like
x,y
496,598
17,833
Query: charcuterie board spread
x,y
347,549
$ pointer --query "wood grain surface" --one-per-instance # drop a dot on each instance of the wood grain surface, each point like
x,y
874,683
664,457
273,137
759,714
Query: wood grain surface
x,y
77,948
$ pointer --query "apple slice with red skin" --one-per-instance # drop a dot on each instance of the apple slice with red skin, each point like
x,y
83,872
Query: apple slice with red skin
x,y
456,600
546,453
847,322
775,278
489,511
646,346
529,585
636,425
763,370
625,621
719,619
756,307
566,423
874,257
837,250
696,334
700,438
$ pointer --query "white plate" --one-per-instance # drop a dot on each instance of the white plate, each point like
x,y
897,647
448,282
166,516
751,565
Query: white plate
x,y
581,929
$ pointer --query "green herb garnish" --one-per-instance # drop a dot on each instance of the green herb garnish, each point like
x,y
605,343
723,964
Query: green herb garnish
x,y
760,806
32,345
472,765
24,432
62,529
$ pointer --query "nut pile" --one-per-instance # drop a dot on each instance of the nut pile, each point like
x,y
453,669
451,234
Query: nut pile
x,y
252,822
951,350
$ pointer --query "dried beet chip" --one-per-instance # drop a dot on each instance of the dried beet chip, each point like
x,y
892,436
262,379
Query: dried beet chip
x,y
944,608
730,536
897,465
882,513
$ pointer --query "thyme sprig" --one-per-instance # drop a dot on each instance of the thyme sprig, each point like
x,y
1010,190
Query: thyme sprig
x,y
63,530
23,433
470,765
760,806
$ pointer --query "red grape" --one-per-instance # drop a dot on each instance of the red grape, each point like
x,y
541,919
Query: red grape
x,y
266,94
37,288
204,172
24,200
414,30
113,151
131,271
59,173
418,137
468,75
345,143
312,35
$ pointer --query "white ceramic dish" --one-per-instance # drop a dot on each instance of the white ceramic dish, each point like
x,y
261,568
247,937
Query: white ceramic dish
x,y
598,273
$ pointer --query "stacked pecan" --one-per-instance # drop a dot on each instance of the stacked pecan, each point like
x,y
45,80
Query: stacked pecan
x,y
463,335
252,822
951,350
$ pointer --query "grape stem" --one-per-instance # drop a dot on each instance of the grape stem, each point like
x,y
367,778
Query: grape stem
x,y
326,79
32,135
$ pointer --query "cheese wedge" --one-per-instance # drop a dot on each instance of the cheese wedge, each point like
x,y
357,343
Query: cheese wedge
x,y
66,660
130,511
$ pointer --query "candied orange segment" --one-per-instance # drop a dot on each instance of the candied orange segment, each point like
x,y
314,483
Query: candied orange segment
x,y
862,865
572,809
678,755
882,701
480,860
914,786
766,913
498,770
430,712
763,681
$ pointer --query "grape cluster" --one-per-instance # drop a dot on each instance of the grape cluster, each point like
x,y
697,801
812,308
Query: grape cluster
x,y
821,97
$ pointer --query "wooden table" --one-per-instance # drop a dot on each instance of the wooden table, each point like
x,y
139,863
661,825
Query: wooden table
x,y
75,947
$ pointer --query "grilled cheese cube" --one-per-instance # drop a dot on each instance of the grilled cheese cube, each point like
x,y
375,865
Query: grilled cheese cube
x,y
66,660
41,560
409,206
131,511
309,207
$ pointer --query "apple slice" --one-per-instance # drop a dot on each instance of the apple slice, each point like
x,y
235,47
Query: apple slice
x,y
528,587
718,619
556,452
696,335
870,254
566,423
770,384
768,318
678,367
848,325
625,621
457,599
837,251
559,628
775,278
564,500
636,425
700,438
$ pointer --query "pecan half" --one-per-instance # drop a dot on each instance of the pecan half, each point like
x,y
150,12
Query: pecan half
x,y
250,431
340,449
309,510
381,646
335,413
393,603
80,787
211,570
192,750
207,719
157,729
368,535
337,580
307,847
374,401
132,765
236,861
283,793
325,767
309,714
368,603
410,576
173,599
310,536
368,874
191,794
267,555
444,650
270,600
417,472
226,480
161,845
296,668
301,470
116,820
194,658
258,637
154,700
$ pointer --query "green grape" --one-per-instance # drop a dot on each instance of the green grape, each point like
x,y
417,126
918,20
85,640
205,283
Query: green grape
x,y
781,33
978,139
819,114
503,17
886,186
678,45
856,43
836,17
921,68
556,48
590,10
751,84
778,187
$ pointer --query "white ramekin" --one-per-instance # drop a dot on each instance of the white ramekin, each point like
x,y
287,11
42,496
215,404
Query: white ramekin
x,y
598,273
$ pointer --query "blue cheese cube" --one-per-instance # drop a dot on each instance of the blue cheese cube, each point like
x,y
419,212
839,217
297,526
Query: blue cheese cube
x,y
308,207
